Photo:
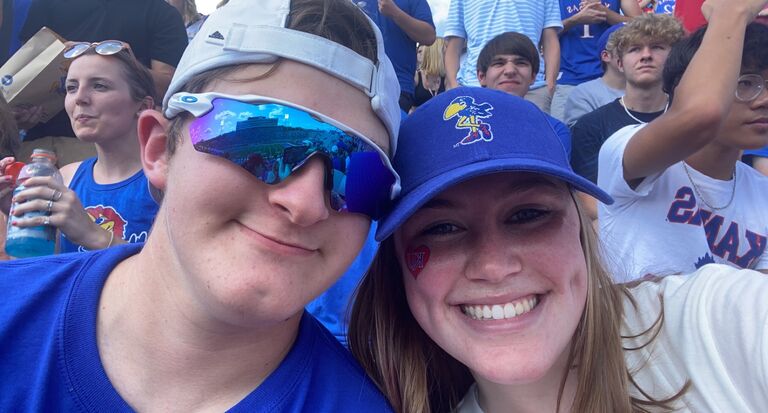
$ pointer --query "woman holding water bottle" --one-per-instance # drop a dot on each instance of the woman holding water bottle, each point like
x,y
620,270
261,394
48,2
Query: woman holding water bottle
x,y
104,200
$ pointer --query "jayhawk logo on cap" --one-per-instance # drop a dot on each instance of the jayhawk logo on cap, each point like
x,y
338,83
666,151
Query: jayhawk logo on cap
x,y
470,115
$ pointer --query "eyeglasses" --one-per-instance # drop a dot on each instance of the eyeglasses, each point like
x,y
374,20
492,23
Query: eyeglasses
x,y
105,48
749,87
271,139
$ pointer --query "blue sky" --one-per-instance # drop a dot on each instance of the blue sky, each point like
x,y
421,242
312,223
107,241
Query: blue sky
x,y
439,10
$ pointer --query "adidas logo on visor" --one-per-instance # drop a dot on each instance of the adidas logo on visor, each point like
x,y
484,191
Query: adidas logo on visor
x,y
216,35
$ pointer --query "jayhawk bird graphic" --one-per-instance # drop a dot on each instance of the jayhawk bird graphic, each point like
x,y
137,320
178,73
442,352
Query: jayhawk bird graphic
x,y
469,117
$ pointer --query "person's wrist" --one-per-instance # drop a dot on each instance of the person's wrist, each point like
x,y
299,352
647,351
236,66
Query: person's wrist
x,y
107,238
100,239
574,20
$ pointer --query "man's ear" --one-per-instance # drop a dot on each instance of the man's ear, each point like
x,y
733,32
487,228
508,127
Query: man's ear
x,y
605,56
481,78
153,138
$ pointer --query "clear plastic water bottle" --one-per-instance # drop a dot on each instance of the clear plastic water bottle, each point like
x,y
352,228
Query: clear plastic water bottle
x,y
32,241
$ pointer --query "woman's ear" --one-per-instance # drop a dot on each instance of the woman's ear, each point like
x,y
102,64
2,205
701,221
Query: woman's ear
x,y
153,138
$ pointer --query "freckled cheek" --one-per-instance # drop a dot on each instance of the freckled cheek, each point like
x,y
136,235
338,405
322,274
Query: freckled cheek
x,y
557,247
425,298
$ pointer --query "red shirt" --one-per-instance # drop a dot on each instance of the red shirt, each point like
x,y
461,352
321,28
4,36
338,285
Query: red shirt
x,y
689,12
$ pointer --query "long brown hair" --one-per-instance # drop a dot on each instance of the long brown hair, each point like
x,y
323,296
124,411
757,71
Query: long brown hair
x,y
417,376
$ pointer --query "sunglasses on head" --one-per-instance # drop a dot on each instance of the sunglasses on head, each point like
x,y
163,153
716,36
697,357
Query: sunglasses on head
x,y
271,139
105,48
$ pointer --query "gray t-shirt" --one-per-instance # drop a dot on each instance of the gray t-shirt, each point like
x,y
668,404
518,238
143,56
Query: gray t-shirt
x,y
587,97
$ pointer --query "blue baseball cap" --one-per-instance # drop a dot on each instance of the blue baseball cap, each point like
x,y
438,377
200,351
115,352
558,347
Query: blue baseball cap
x,y
438,149
602,41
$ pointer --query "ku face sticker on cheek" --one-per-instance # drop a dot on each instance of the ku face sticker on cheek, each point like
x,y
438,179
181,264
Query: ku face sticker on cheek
x,y
416,259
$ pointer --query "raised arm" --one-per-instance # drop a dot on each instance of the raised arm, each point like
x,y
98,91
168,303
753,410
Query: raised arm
x,y
702,98
550,44
453,47
418,30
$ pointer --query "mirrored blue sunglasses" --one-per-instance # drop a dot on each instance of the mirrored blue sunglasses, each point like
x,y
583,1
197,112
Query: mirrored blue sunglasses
x,y
271,139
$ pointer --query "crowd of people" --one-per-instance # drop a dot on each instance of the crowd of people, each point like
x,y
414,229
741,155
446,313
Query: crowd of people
x,y
320,205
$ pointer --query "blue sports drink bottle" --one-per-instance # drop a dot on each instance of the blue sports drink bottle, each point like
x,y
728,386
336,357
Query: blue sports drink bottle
x,y
39,240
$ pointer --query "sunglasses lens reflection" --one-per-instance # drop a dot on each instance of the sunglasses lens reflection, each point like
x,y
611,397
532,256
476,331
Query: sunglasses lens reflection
x,y
271,141
76,50
109,47
105,48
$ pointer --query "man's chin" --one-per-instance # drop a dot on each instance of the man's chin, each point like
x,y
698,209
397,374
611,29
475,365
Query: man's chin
x,y
513,89
646,82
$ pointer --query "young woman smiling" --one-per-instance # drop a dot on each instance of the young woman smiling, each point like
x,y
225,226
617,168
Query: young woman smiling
x,y
489,273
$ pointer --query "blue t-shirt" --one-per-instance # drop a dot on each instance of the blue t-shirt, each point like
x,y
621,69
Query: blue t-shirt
x,y
579,57
665,7
50,360
125,208
763,152
400,48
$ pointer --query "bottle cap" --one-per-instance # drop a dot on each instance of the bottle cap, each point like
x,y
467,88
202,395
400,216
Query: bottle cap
x,y
43,153
13,170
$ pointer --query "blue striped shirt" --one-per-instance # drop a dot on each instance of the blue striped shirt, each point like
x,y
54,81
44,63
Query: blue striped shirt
x,y
478,21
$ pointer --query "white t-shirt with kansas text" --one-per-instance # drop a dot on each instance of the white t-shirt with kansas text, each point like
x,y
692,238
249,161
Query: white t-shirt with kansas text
x,y
663,227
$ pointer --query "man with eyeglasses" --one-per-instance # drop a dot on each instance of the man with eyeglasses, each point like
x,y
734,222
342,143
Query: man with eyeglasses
x,y
271,157
758,158
683,198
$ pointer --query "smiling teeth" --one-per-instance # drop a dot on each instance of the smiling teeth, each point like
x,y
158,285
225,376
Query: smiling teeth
x,y
501,311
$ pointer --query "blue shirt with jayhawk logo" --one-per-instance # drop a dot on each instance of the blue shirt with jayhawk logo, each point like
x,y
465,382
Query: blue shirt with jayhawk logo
x,y
124,208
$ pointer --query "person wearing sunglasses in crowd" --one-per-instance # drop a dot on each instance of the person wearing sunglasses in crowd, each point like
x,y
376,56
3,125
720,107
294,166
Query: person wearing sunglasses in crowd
x,y
488,293
271,159
683,197
105,200
153,28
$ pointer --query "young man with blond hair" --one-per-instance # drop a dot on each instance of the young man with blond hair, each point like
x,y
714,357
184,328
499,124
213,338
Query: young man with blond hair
x,y
642,47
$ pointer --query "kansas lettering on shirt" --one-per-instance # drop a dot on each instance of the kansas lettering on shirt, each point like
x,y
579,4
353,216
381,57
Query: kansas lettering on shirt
x,y
724,237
